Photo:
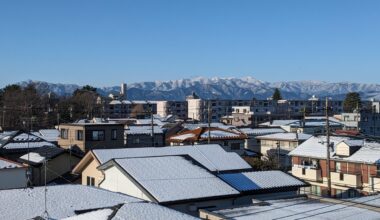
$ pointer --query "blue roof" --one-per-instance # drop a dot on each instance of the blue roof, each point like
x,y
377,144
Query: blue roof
x,y
251,181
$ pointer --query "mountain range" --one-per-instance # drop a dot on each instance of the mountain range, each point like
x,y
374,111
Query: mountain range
x,y
223,88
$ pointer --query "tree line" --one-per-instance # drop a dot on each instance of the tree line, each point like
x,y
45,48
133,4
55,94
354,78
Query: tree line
x,y
27,108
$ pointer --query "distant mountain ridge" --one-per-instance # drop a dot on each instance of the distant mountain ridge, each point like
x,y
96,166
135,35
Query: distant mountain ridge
x,y
224,88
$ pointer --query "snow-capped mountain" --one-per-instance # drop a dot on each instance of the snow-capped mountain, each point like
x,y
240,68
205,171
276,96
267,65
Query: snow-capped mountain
x,y
225,88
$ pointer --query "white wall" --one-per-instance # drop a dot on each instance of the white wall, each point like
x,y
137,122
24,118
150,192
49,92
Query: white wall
x,y
12,178
116,181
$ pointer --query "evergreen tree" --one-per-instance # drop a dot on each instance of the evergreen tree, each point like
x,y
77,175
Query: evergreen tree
x,y
351,102
277,95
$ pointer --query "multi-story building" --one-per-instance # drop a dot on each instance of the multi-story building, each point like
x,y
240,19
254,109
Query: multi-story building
x,y
134,109
262,110
177,108
241,116
91,134
370,123
354,168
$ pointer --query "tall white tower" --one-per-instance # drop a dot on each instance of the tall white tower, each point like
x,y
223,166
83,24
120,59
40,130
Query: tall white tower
x,y
123,91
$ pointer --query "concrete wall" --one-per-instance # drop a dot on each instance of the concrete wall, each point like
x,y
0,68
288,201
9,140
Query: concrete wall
x,y
12,178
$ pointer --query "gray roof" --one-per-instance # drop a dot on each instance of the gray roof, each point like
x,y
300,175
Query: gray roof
x,y
261,131
262,180
286,136
299,208
143,130
174,178
211,156
20,140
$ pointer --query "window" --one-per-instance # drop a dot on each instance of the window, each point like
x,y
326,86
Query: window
x,y
90,181
136,140
303,171
225,143
64,133
341,176
337,166
97,135
79,135
114,134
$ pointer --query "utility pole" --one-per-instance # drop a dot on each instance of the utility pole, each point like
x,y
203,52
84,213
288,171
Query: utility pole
x,y
209,122
152,126
278,154
328,149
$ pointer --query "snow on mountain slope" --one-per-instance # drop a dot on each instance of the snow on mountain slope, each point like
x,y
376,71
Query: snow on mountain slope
x,y
225,88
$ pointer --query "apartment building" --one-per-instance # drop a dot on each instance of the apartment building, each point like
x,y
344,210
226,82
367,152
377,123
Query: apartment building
x,y
91,134
262,110
116,108
354,168
177,108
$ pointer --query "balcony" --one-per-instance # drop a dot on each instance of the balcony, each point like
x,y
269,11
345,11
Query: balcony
x,y
351,180
309,173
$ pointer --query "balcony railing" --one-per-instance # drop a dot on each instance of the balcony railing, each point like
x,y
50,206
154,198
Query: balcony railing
x,y
311,173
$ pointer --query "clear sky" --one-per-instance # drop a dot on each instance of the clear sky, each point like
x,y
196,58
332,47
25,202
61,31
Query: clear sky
x,y
106,42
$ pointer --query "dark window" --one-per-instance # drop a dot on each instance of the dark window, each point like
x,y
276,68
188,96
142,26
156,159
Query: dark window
x,y
79,135
303,171
341,176
64,133
225,143
90,181
114,134
97,135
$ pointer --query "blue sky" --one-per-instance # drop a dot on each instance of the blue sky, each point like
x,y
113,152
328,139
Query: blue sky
x,y
106,42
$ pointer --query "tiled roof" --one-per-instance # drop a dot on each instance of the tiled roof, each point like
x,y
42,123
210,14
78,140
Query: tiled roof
x,y
201,134
261,131
143,130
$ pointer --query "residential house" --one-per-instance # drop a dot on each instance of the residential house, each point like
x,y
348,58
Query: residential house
x,y
241,116
12,174
91,134
232,141
173,181
144,136
17,143
279,145
59,162
212,156
251,142
79,202
354,168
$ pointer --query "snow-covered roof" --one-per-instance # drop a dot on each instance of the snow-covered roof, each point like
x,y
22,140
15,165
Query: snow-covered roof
x,y
373,200
286,136
62,201
50,135
261,131
183,137
7,164
298,208
189,126
21,140
134,211
41,154
211,156
174,178
143,130
315,147
262,180
149,122
220,134
277,123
